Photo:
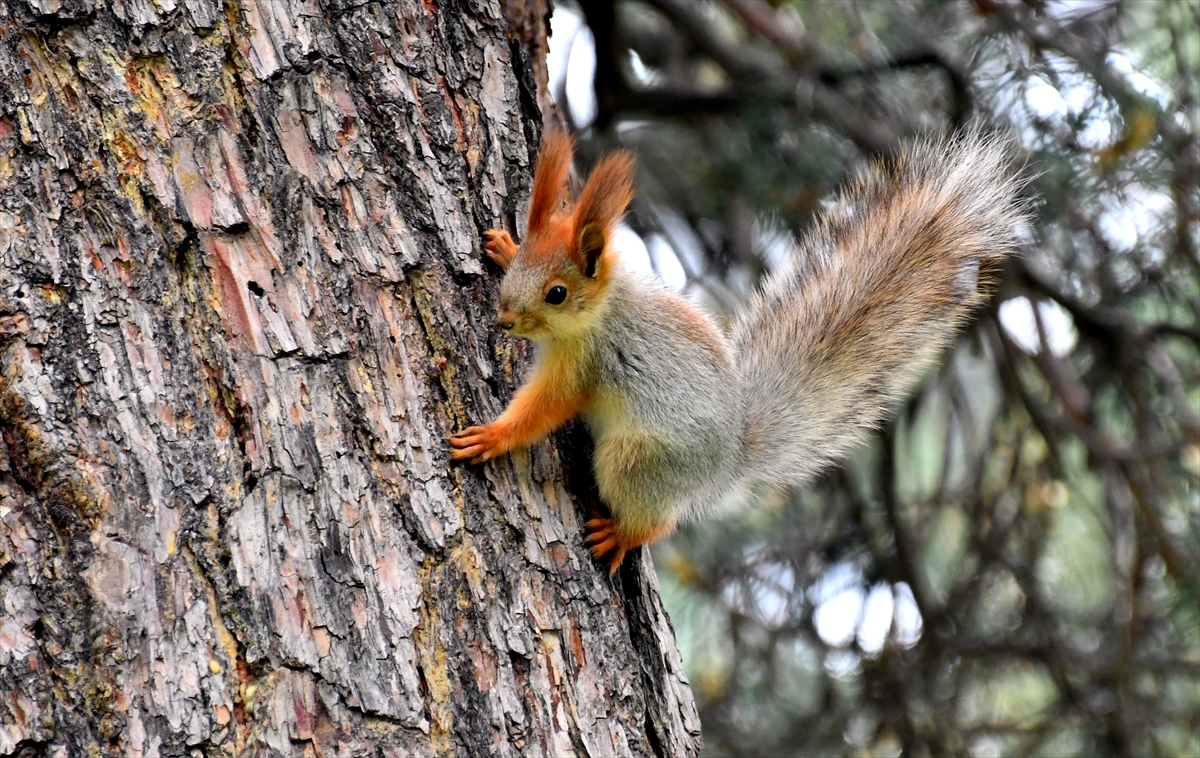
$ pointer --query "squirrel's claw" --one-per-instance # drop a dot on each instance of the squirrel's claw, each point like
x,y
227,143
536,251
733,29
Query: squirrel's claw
x,y
500,247
475,445
604,540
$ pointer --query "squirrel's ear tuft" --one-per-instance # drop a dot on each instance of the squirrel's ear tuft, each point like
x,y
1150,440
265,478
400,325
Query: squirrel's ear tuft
x,y
590,245
553,163
608,191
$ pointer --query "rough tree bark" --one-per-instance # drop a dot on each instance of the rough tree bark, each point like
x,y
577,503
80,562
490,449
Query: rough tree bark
x,y
242,305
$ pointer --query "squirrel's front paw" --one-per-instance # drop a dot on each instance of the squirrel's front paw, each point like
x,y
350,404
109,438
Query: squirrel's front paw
x,y
500,247
477,444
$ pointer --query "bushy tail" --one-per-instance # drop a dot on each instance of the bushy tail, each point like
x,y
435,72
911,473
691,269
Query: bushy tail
x,y
870,298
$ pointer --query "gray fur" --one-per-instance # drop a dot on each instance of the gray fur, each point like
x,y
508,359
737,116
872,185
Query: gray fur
x,y
680,405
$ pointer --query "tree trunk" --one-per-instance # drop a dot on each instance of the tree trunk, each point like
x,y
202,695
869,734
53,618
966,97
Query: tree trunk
x,y
242,305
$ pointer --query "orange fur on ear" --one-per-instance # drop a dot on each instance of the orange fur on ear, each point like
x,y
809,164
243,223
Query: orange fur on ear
x,y
604,198
553,163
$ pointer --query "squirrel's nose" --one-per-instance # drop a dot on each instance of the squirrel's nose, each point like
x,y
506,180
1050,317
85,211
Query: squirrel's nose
x,y
506,319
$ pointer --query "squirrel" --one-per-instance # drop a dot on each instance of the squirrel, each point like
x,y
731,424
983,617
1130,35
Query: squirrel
x,y
686,418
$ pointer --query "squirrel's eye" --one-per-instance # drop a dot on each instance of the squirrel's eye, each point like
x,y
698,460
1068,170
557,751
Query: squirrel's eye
x,y
556,295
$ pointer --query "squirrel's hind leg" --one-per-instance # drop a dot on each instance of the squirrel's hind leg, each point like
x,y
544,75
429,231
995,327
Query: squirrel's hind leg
x,y
629,468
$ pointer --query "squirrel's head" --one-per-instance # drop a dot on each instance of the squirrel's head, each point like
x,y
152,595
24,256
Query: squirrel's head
x,y
561,274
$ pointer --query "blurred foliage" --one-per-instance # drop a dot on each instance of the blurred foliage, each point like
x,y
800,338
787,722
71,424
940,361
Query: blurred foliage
x,y
1011,567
